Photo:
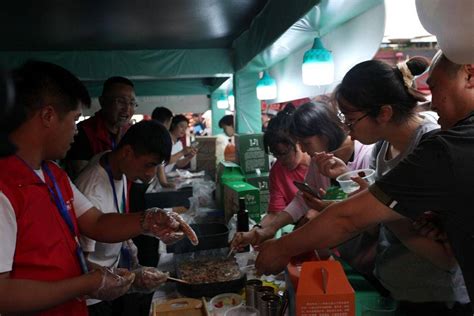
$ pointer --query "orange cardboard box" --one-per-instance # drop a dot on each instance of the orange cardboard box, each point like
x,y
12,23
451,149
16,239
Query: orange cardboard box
x,y
323,289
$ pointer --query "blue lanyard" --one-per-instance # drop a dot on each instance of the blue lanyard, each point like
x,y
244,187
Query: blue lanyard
x,y
112,141
112,184
62,208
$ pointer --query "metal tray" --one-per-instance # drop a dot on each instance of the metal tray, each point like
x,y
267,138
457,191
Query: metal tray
x,y
208,289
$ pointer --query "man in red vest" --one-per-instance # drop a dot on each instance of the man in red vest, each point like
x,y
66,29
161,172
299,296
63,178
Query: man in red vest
x,y
42,214
104,129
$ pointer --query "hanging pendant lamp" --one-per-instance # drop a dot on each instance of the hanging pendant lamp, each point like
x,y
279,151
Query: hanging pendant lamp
x,y
222,102
318,65
266,87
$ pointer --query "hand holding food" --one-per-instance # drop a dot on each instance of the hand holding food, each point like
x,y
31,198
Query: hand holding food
x,y
329,165
254,237
186,229
158,222
148,279
114,283
167,226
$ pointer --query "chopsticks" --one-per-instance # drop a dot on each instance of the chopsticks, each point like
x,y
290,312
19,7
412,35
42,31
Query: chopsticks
x,y
177,280
231,251
335,150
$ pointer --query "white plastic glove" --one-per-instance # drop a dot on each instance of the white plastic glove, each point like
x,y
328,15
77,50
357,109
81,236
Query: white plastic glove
x,y
148,279
158,223
167,226
115,283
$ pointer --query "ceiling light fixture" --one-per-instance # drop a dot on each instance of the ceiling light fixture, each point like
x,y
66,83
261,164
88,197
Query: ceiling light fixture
x,y
222,102
266,87
318,65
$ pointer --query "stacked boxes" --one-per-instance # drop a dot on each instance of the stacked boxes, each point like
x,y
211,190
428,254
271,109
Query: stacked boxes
x,y
226,172
260,181
250,153
253,160
235,190
206,156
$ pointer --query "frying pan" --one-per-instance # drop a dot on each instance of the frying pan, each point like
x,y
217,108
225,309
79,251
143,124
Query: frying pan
x,y
197,290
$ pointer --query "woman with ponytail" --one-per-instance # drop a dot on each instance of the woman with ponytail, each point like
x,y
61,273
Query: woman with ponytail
x,y
378,105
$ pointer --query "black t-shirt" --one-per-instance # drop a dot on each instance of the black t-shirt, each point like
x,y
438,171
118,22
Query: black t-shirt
x,y
439,176
81,149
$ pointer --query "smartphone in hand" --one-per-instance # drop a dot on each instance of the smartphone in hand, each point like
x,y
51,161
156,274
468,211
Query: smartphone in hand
x,y
303,186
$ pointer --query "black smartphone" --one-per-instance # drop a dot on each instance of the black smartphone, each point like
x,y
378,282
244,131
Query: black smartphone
x,y
303,186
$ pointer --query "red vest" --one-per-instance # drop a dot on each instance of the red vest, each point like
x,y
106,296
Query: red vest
x,y
45,248
97,133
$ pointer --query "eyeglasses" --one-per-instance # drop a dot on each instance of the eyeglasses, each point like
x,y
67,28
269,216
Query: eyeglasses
x,y
277,154
350,125
124,101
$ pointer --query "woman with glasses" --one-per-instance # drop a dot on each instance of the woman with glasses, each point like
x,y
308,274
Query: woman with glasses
x,y
316,128
378,104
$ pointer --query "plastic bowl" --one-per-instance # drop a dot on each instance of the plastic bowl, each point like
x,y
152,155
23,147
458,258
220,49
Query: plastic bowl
x,y
221,303
348,186
242,311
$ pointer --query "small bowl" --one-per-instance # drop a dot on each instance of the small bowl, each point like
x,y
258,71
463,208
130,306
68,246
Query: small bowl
x,y
349,186
242,311
221,303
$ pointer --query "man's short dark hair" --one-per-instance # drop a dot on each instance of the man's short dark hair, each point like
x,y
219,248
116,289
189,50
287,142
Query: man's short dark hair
x,y
176,120
115,80
148,137
38,82
227,120
162,114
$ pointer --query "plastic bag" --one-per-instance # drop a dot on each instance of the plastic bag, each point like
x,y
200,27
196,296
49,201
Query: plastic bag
x,y
202,190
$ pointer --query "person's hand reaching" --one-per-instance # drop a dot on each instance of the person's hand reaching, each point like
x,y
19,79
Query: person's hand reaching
x,y
115,283
148,279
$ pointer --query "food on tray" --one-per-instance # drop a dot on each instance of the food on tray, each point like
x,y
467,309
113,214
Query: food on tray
x,y
361,174
187,230
209,270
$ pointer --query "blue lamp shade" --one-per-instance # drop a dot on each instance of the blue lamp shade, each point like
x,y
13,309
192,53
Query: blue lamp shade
x,y
318,65
222,102
266,87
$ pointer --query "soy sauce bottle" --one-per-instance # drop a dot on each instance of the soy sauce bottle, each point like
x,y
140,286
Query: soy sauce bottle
x,y
243,219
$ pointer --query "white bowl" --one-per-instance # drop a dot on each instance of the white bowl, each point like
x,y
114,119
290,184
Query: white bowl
x,y
242,311
219,304
348,186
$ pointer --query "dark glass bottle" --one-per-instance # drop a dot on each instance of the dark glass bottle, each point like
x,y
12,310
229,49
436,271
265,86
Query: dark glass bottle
x,y
243,219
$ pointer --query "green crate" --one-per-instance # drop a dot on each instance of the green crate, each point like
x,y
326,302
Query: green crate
x,y
260,182
226,172
235,190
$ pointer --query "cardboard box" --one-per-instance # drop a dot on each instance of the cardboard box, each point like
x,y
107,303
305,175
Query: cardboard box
x,y
260,182
323,289
250,153
208,165
181,306
207,146
226,172
233,191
